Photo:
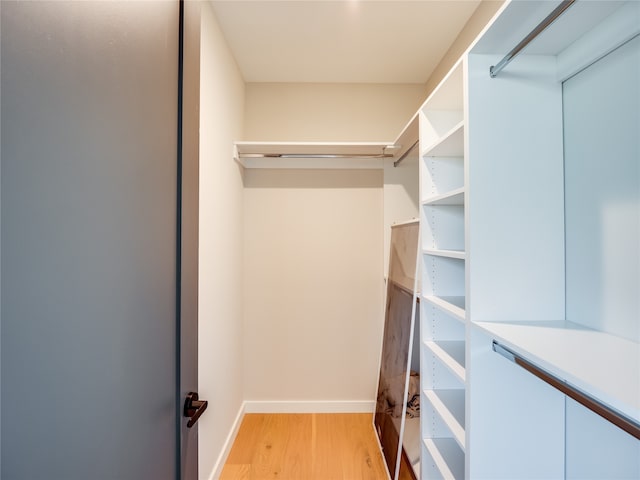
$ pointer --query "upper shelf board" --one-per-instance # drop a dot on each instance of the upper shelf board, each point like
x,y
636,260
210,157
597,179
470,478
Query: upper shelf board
x,y
450,145
602,365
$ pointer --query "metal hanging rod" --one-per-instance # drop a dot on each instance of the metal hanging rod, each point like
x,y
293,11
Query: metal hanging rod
x,y
627,424
405,154
314,155
559,10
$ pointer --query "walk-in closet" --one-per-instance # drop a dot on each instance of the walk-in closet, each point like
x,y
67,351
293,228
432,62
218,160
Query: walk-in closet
x,y
241,238
528,313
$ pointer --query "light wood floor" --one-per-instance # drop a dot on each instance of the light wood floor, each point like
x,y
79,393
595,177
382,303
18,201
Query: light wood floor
x,y
305,447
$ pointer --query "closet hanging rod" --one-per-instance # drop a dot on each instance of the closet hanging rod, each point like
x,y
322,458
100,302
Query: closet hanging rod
x,y
405,154
627,424
559,10
315,155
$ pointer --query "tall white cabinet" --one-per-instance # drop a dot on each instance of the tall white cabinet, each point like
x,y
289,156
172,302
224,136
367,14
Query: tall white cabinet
x,y
530,219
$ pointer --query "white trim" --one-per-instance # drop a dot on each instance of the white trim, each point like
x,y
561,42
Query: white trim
x,y
222,458
309,406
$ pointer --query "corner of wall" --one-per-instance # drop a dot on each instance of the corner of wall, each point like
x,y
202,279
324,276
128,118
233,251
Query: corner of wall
x,y
218,466
481,16
221,281
329,112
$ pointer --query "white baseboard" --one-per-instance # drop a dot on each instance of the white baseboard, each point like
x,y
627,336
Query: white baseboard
x,y
309,406
222,458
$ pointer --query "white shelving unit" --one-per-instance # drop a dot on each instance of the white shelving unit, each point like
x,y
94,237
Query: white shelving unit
x,y
505,233
524,197
443,316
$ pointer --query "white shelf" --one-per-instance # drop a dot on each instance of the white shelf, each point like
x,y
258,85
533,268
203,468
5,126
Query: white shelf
x,y
451,354
452,198
313,154
447,457
449,405
458,254
450,145
451,305
599,364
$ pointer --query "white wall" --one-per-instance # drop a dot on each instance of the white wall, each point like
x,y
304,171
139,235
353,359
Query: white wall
x,y
221,197
314,287
329,112
314,244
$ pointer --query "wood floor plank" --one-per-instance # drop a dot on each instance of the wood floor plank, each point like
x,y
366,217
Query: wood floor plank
x,y
270,448
246,439
328,448
236,472
305,447
295,462
364,460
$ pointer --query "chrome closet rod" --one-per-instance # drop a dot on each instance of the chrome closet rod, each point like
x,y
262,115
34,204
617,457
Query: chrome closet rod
x,y
627,424
405,154
315,155
559,10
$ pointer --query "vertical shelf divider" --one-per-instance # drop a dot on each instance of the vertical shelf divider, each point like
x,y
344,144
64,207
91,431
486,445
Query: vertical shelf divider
x,y
443,279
